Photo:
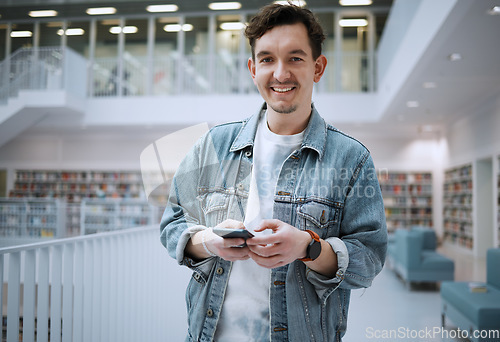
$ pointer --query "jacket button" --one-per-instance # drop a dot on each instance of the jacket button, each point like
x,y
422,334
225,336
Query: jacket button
x,y
196,276
219,270
210,313
241,186
248,154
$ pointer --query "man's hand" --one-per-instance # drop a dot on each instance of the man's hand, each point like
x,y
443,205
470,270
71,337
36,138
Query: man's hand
x,y
284,246
227,249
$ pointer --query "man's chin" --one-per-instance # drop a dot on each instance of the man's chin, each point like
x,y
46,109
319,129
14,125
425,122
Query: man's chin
x,y
283,109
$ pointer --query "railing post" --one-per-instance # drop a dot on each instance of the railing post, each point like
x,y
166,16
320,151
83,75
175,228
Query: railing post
x,y
29,296
42,327
13,304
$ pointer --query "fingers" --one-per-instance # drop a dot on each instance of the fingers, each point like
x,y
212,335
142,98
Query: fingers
x,y
230,223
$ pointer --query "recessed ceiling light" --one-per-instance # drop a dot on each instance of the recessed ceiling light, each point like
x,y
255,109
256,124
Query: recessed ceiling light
x,y
429,85
124,29
412,104
162,8
41,14
232,26
177,27
217,6
355,2
101,10
353,22
71,32
299,3
21,34
494,11
455,57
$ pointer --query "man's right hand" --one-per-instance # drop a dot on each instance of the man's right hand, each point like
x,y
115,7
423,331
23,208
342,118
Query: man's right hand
x,y
227,249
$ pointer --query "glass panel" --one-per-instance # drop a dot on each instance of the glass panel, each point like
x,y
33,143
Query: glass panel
x,y
3,32
195,64
135,68
106,54
227,44
327,82
355,57
50,34
165,52
20,42
78,37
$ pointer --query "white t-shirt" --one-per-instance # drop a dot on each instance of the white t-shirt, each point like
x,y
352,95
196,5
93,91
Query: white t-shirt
x,y
245,311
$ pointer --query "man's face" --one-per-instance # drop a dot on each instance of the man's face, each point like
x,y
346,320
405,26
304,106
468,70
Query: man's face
x,y
284,70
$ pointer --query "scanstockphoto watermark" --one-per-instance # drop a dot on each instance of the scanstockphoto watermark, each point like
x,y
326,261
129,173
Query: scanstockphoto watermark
x,y
425,334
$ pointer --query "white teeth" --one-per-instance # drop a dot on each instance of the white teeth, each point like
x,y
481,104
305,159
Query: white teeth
x,y
282,90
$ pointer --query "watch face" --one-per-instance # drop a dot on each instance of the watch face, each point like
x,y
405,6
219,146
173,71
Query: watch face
x,y
314,249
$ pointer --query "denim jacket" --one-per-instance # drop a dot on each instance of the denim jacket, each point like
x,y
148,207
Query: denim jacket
x,y
329,185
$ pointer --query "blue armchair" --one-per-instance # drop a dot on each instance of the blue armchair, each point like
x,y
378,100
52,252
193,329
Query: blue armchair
x,y
414,258
475,311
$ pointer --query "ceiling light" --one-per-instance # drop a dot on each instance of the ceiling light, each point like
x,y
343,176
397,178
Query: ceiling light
x,y
217,6
21,34
455,57
427,128
355,2
232,26
353,22
429,85
494,11
412,104
125,29
71,32
178,27
299,3
162,8
40,14
101,10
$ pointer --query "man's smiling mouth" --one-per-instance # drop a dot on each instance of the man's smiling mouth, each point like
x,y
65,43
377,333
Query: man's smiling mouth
x,y
282,90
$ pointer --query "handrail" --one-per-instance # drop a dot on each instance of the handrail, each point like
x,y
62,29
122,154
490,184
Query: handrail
x,y
111,286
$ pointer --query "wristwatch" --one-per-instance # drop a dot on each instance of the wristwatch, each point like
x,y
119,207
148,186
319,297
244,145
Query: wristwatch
x,y
314,247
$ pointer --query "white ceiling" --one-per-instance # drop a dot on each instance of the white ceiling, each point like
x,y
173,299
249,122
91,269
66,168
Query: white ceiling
x,y
462,86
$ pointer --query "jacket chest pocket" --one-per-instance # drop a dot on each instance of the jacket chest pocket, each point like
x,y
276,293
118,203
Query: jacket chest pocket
x,y
215,207
320,217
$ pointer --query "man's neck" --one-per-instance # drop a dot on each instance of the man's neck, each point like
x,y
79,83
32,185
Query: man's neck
x,y
287,124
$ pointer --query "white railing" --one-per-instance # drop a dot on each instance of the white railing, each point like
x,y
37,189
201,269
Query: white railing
x,y
220,74
118,286
44,68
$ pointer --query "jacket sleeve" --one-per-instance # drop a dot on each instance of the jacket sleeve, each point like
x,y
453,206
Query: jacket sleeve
x,y
183,216
363,227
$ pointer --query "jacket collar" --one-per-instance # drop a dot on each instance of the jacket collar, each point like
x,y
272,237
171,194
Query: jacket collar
x,y
314,136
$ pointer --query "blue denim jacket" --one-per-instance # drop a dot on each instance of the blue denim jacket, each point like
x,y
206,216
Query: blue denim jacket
x,y
329,186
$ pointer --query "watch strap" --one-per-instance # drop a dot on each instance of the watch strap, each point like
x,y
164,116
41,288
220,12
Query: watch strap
x,y
316,238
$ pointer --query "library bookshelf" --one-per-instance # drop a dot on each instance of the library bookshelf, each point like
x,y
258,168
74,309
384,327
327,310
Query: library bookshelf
x,y
88,201
458,206
407,199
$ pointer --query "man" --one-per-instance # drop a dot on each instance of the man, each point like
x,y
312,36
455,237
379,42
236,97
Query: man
x,y
308,192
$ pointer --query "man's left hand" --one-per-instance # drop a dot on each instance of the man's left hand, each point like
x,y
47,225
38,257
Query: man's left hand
x,y
284,246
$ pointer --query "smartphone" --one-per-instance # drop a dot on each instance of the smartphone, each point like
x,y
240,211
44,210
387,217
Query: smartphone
x,y
230,233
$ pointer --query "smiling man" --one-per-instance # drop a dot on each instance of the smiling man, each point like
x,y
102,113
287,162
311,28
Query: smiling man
x,y
307,192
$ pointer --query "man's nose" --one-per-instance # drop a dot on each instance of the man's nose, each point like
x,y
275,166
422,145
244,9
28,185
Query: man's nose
x,y
281,73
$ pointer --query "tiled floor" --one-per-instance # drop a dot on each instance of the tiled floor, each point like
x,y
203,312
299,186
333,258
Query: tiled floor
x,y
389,311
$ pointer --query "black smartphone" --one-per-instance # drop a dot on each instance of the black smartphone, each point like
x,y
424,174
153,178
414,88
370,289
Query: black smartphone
x,y
230,233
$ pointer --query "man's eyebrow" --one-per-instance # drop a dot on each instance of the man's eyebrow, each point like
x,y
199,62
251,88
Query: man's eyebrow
x,y
263,53
293,52
298,52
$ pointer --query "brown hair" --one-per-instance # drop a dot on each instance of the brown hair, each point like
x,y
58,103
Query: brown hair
x,y
274,15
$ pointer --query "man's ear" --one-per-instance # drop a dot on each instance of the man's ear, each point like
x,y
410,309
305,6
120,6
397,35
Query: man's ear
x,y
251,67
319,68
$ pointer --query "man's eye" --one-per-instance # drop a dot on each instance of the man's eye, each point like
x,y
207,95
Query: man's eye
x,y
296,59
266,60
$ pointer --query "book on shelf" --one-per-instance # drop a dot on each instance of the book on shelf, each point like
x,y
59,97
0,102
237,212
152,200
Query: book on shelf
x,y
477,287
